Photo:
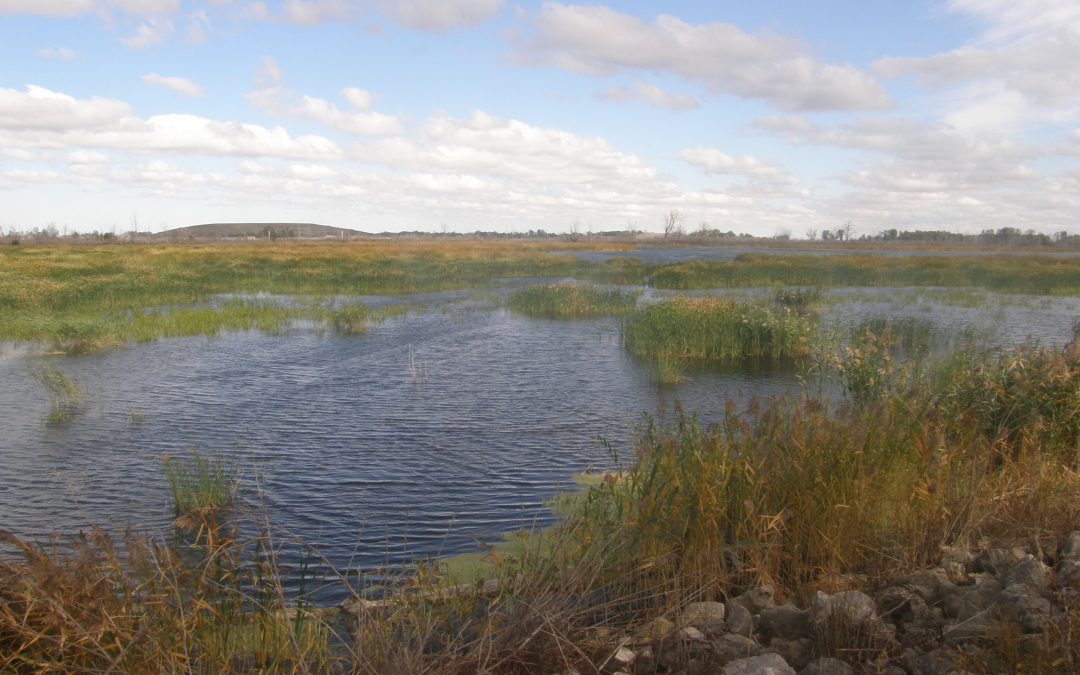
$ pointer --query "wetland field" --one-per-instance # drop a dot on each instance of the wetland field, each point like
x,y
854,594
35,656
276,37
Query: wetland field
x,y
506,453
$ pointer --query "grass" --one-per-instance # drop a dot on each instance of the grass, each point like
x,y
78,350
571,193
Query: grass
x,y
64,394
200,486
716,330
570,301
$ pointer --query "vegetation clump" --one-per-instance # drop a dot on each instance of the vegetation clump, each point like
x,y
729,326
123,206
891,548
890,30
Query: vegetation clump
x,y
570,300
716,330
200,486
64,394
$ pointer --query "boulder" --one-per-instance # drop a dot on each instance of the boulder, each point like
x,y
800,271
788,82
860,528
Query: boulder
x,y
1070,548
1025,606
902,604
785,621
848,608
739,620
654,631
708,617
731,646
765,664
827,665
645,661
1029,572
931,585
976,628
998,560
965,602
757,599
621,660
797,653
690,634
936,662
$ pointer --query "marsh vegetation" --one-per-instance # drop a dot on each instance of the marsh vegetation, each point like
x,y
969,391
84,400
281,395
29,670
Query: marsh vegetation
x,y
909,440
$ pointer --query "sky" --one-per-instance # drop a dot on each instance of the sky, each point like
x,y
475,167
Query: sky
x,y
768,117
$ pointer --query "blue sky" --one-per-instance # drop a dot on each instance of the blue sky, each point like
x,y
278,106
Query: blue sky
x,y
759,117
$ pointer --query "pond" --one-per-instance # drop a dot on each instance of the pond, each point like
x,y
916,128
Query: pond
x,y
439,429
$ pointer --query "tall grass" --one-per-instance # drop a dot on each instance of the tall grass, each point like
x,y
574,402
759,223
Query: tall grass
x,y
719,330
200,486
64,394
565,301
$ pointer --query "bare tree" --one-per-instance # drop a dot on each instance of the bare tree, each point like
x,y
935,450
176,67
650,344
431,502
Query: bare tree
x,y
811,233
673,223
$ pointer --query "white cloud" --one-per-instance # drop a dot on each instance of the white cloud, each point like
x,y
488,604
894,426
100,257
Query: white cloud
x,y
198,25
180,85
649,93
600,41
151,33
40,108
53,8
47,119
714,161
441,14
57,53
268,75
146,7
312,12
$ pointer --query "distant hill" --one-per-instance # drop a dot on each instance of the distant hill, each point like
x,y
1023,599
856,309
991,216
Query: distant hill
x,y
260,231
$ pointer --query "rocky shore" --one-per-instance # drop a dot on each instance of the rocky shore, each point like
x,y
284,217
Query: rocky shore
x,y
957,617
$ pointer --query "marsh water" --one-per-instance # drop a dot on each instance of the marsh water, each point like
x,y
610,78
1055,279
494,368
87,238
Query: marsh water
x,y
438,430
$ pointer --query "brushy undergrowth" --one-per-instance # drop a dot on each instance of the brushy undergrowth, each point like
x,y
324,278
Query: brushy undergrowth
x,y
716,330
569,301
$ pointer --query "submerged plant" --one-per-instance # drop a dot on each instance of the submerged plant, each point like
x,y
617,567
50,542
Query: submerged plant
x,y
64,394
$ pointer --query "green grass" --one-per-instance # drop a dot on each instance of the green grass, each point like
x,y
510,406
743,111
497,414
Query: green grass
x,y
64,394
200,486
716,330
569,301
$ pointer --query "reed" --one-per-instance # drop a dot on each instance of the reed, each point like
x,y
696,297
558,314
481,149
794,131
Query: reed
x,y
570,301
200,486
717,330
64,394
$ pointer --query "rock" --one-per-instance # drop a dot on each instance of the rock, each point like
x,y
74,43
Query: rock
x,y
1026,607
797,653
645,661
936,662
1029,572
849,608
490,588
902,604
786,621
998,560
827,666
765,664
622,659
731,646
1070,548
739,620
655,631
931,585
707,617
975,628
1068,573
690,634
967,601
757,599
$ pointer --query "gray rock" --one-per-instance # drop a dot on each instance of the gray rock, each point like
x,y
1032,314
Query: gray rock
x,y
936,662
655,631
1070,548
757,599
998,560
739,620
797,653
1029,572
765,664
707,617
902,604
731,646
1068,573
785,621
827,665
622,659
931,585
975,628
645,661
967,601
1026,607
849,608
690,634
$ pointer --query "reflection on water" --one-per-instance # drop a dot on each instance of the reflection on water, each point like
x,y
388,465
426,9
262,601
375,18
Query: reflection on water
x,y
433,432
